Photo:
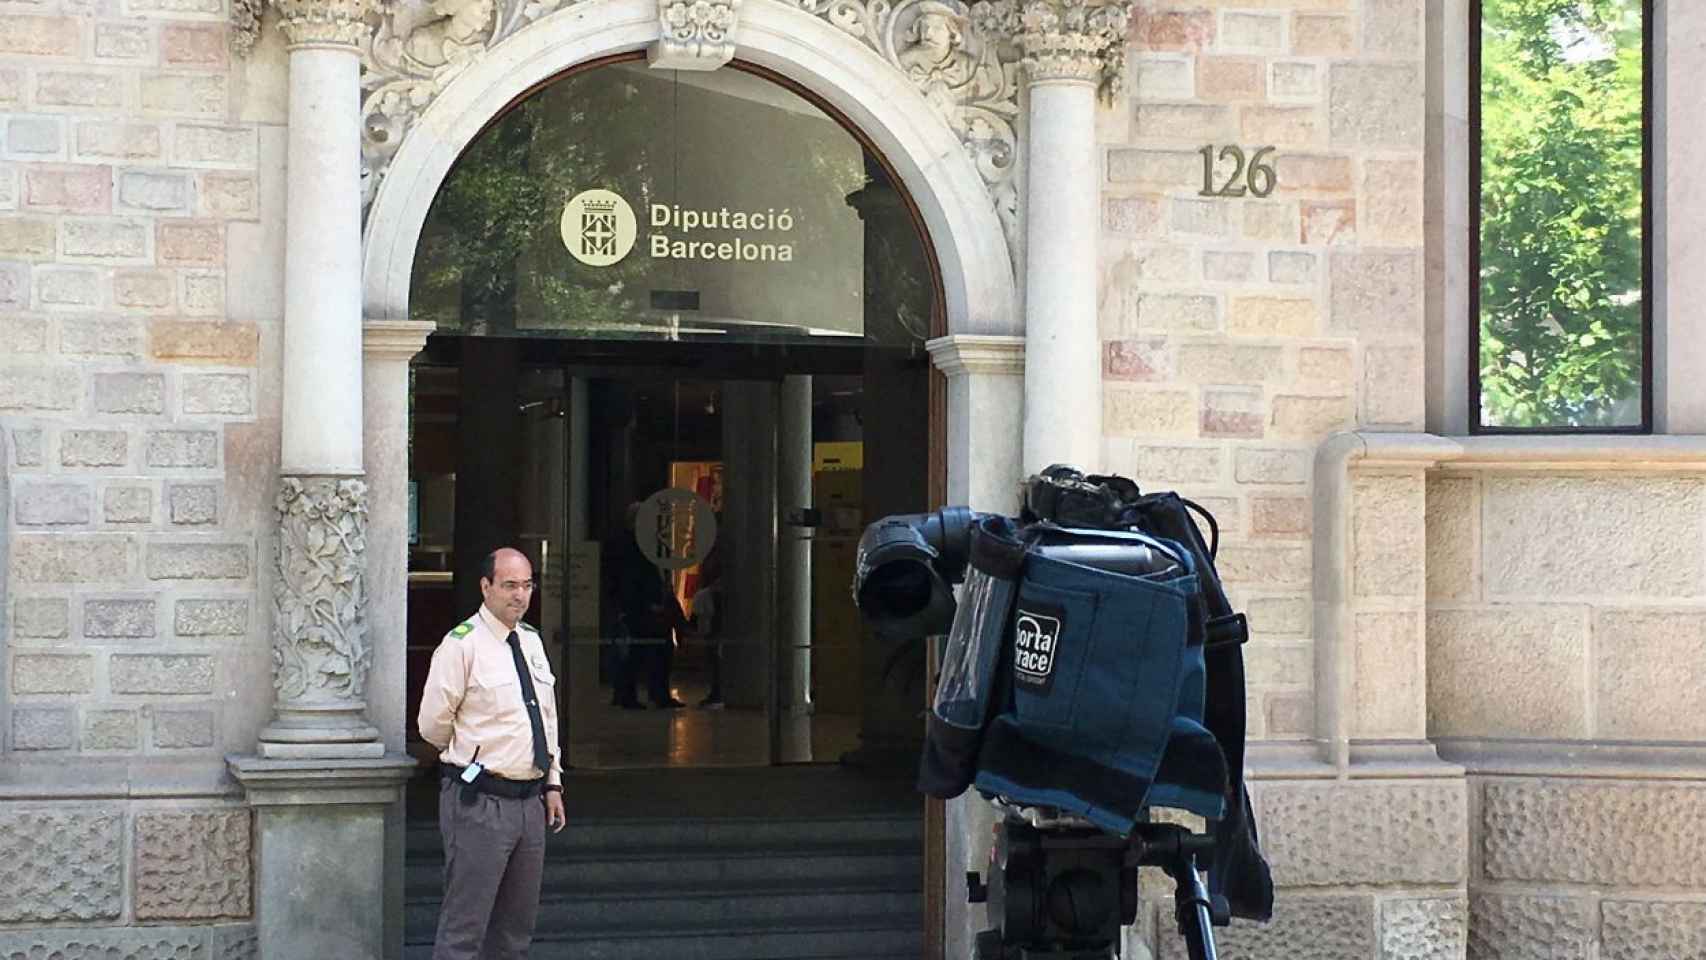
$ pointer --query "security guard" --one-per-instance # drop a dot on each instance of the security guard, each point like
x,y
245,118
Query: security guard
x,y
490,707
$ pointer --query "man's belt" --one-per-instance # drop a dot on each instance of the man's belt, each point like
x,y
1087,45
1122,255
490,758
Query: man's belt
x,y
488,782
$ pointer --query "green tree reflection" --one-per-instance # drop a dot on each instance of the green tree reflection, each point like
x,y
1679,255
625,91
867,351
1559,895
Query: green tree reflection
x,y
1561,257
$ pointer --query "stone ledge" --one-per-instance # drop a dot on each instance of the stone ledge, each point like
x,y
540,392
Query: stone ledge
x,y
136,778
321,782
1366,450
397,340
965,354
1574,759
1364,760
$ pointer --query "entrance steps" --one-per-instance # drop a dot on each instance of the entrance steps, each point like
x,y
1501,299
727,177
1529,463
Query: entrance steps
x,y
710,888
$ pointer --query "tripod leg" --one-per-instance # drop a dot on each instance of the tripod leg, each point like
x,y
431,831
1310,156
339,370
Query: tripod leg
x,y
1191,905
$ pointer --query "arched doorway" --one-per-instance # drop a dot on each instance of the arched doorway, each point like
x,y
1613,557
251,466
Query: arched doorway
x,y
699,301
680,359
981,351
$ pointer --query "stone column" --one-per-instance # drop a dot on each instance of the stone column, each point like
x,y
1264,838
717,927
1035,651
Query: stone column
x,y
986,374
1072,49
321,650
328,823
387,347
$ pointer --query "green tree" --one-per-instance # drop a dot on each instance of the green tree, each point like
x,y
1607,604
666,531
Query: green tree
x,y
1561,254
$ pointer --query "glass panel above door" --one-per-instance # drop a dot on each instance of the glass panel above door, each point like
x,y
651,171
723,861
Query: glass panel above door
x,y
621,202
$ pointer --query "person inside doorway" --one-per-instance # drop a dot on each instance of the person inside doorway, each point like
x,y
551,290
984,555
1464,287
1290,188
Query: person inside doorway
x,y
708,610
649,615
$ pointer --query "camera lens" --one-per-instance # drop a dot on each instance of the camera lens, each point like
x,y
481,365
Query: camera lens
x,y
897,589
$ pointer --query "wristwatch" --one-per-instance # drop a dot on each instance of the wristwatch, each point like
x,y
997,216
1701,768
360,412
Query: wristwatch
x,y
553,788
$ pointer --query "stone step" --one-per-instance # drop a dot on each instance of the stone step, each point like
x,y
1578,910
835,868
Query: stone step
x,y
839,937
660,868
686,834
683,909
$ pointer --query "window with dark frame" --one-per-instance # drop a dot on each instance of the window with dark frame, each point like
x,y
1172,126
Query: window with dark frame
x,y
1560,177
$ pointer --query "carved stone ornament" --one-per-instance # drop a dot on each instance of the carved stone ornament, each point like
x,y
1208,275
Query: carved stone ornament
x,y
1067,39
321,652
337,22
419,46
304,22
962,60
696,34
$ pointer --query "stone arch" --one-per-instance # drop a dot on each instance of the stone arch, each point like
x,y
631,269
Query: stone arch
x,y
977,274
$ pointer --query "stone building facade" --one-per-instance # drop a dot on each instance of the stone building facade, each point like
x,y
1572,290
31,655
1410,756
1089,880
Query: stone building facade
x,y
1475,664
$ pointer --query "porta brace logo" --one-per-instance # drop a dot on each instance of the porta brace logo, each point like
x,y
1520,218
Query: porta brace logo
x,y
1036,644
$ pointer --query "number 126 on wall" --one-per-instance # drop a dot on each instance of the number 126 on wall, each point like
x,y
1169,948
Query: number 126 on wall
x,y
1254,177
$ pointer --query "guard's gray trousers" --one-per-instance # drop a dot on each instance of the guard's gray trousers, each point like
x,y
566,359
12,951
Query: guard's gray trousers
x,y
494,855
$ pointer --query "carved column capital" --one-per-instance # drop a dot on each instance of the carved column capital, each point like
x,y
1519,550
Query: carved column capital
x,y
338,23
1067,40
695,34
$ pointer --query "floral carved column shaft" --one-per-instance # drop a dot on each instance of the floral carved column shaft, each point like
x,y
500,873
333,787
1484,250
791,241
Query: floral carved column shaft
x,y
321,647
1073,50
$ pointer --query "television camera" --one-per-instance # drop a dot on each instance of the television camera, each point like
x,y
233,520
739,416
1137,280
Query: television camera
x,y
1092,671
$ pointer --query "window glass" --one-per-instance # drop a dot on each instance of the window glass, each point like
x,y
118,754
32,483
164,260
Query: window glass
x,y
1561,293
625,202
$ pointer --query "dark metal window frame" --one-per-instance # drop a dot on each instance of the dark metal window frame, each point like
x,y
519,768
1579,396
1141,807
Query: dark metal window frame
x,y
1647,58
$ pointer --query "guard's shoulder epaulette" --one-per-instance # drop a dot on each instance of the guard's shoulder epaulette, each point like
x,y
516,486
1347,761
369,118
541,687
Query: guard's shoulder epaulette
x,y
462,629
530,628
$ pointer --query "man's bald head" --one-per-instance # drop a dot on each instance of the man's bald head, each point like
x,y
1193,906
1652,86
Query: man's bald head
x,y
506,584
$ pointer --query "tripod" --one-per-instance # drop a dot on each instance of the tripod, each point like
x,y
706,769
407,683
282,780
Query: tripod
x,y
1175,850
1060,889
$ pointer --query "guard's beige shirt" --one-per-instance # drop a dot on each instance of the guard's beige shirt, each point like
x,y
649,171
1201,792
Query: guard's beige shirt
x,y
473,699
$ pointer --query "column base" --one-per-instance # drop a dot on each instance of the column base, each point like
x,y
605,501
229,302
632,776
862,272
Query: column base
x,y
322,837
338,731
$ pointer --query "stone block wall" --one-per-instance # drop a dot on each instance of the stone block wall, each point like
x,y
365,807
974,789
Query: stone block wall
x,y
1363,872
76,881
140,208
1567,605
1239,332
1566,631
135,380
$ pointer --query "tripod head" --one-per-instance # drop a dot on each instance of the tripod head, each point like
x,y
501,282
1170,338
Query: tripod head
x,y
1059,888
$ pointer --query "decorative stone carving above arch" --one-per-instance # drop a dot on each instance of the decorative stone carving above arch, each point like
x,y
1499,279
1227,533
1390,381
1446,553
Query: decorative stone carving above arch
x,y
696,34
964,57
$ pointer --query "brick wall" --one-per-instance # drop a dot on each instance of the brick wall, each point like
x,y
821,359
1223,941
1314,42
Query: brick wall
x,y
136,403
1239,332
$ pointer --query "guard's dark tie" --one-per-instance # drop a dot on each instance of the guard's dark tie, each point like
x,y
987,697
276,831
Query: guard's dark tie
x,y
541,756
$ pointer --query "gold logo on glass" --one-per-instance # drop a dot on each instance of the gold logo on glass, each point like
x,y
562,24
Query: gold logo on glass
x,y
598,227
